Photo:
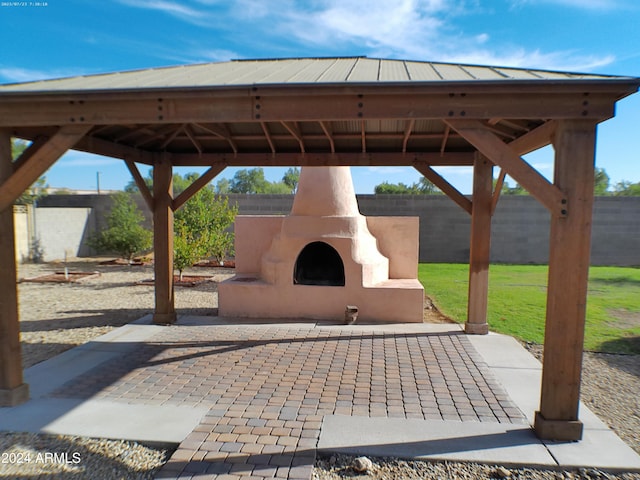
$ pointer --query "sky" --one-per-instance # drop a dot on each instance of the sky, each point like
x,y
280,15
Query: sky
x,y
60,38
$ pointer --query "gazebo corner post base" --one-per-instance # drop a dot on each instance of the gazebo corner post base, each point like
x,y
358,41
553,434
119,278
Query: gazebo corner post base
x,y
471,328
164,318
10,397
558,430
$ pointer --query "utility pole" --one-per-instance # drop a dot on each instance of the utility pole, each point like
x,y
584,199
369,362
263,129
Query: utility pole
x,y
98,182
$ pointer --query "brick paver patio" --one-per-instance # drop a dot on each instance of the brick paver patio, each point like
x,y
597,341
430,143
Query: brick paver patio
x,y
268,388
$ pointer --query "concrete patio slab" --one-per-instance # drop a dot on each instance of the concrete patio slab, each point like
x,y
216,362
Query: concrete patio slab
x,y
495,443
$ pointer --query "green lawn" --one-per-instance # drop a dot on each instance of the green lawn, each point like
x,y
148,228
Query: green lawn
x,y
517,298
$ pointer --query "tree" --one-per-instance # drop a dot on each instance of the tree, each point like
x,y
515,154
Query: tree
x,y
601,182
627,189
124,233
422,187
201,229
253,181
31,195
180,183
291,178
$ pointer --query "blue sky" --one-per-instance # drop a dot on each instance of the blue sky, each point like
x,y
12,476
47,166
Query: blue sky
x,y
54,38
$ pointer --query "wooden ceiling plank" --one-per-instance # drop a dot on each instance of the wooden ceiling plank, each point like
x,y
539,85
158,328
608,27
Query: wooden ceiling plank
x,y
196,186
142,185
507,158
39,162
452,192
267,134
407,133
328,131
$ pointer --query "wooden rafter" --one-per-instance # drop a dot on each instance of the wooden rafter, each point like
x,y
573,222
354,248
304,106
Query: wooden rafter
x,y
196,186
445,137
294,130
452,192
156,135
192,136
172,136
328,131
507,158
407,133
142,185
133,132
267,134
221,131
39,161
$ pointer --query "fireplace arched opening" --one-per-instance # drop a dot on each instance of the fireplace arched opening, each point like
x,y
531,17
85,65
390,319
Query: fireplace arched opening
x,y
319,264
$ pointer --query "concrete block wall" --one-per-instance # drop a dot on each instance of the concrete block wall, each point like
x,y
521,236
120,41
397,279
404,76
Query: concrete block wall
x,y
520,227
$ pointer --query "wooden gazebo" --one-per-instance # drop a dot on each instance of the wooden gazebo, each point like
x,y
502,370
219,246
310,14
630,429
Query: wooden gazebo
x,y
332,111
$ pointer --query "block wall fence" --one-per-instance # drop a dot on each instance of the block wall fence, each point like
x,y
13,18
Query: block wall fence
x,y
520,226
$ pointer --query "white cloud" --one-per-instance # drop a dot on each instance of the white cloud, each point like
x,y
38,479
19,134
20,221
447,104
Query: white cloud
x,y
390,170
18,74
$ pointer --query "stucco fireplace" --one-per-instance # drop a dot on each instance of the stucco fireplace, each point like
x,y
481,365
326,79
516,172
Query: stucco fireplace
x,y
324,256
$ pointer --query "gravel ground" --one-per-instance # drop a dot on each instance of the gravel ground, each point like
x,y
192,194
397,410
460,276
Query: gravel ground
x,y
56,317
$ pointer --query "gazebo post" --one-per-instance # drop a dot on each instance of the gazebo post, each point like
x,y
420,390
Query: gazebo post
x,y
12,388
163,240
480,246
569,256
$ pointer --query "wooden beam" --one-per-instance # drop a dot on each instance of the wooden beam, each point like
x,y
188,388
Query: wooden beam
x,y
363,136
170,138
328,131
316,103
165,312
142,185
569,254
13,390
156,135
497,190
36,145
39,162
505,157
451,191
480,247
322,159
537,138
196,186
